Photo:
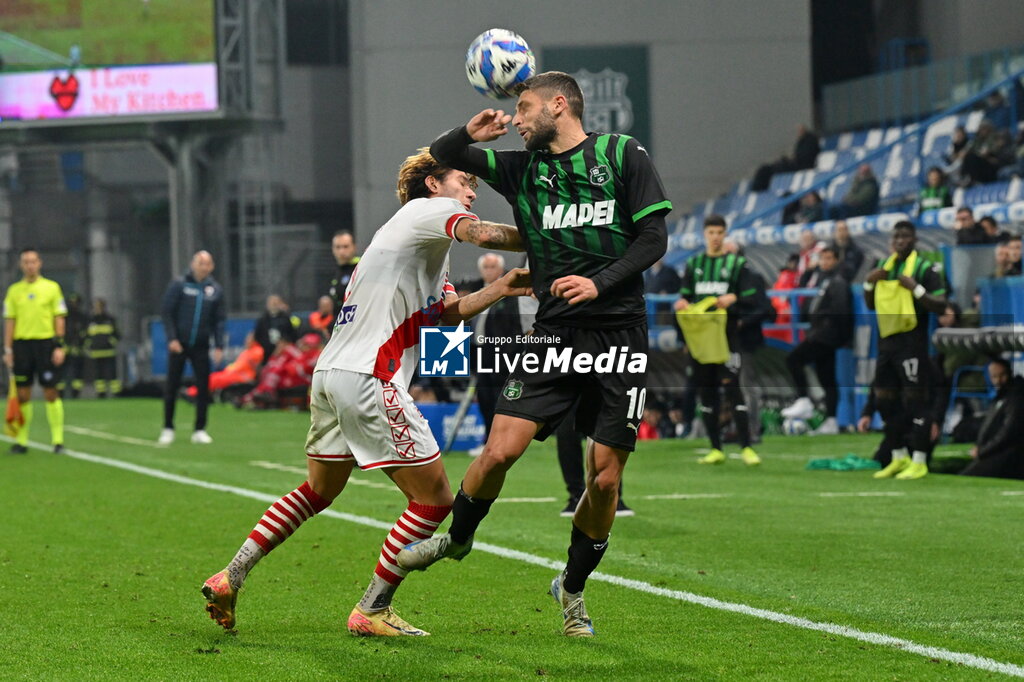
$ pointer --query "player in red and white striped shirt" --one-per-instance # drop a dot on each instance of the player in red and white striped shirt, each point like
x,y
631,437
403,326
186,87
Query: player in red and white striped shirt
x,y
360,409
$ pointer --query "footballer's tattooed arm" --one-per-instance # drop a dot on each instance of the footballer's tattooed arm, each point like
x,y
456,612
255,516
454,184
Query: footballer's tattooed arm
x,y
488,235
515,282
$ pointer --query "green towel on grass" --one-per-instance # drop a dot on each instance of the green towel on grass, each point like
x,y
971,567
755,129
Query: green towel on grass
x,y
850,462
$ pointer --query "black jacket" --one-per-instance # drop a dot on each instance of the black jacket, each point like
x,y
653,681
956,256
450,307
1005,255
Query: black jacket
x,y
850,259
830,313
272,328
1001,438
752,312
339,283
194,312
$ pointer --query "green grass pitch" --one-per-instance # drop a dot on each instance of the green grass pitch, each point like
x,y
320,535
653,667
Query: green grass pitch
x,y
100,567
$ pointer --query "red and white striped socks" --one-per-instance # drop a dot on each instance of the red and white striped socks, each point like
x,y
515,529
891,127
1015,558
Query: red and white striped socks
x,y
277,524
418,522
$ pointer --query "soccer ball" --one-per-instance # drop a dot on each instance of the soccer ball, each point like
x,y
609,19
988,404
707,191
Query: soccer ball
x,y
497,61
794,427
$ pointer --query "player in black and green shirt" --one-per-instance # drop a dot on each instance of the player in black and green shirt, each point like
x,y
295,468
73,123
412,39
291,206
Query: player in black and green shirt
x,y
902,379
725,276
590,209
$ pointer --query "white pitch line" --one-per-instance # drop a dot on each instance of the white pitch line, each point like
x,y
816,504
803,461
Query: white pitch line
x,y
970,660
1012,492
113,436
684,496
877,493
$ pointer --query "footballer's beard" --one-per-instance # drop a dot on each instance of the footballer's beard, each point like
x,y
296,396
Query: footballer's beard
x,y
543,132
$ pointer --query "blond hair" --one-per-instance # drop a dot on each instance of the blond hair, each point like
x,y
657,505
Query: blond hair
x,y
413,174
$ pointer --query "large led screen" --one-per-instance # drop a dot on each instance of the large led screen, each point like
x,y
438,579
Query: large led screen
x,y
71,59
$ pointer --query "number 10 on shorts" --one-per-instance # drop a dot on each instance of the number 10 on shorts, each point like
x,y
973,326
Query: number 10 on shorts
x,y
637,396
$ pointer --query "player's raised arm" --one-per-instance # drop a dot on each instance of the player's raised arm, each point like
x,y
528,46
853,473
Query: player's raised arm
x,y
488,235
515,282
455,148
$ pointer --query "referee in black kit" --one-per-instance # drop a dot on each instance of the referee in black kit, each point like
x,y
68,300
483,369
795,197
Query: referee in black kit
x,y
193,313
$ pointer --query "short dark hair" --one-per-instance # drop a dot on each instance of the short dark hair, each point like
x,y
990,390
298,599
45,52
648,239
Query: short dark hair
x,y
557,82
831,249
343,233
1002,362
988,219
905,225
966,208
1013,238
715,220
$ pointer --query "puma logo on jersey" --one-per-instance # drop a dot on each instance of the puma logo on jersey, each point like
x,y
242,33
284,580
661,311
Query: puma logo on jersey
x,y
549,180
575,215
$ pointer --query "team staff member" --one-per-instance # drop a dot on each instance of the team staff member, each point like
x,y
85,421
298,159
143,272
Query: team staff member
x,y
193,314
902,377
101,337
343,248
34,312
727,278
591,211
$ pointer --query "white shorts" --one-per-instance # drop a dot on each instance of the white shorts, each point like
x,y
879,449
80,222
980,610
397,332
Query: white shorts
x,y
359,417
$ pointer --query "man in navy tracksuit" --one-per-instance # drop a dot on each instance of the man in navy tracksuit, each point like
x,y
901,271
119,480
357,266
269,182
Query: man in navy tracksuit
x,y
193,313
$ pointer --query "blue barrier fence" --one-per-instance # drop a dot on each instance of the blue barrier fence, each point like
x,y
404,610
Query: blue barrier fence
x,y
854,365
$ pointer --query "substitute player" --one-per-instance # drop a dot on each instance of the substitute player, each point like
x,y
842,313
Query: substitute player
x,y
725,276
590,209
34,312
902,290
360,410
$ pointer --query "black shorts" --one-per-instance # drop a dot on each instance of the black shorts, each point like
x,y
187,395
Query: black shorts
x,y
611,403
712,376
34,358
903,369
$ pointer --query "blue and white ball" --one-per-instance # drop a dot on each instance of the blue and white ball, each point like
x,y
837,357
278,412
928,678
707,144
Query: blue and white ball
x,y
793,426
497,61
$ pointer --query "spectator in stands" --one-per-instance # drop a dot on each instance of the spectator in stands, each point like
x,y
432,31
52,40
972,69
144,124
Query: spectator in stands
x,y
679,427
811,209
275,324
1013,245
992,232
989,150
850,255
320,319
1003,264
957,148
661,279
997,110
861,198
935,194
805,153
830,314
648,429
810,247
999,451
787,279
968,231
286,375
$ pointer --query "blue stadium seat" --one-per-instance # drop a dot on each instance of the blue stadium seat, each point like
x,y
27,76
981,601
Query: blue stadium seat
x,y
781,182
994,192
